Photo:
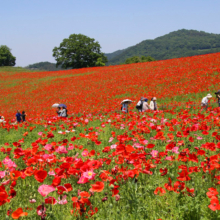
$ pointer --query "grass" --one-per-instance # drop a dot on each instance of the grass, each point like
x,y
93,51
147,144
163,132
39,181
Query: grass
x,y
14,70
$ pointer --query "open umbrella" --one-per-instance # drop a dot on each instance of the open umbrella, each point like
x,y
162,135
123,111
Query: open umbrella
x,y
55,105
126,100
62,105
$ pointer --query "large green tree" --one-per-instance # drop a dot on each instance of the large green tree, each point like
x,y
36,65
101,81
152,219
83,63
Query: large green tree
x,y
6,57
78,51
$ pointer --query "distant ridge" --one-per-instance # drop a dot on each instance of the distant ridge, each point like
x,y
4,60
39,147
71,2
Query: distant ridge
x,y
181,43
47,66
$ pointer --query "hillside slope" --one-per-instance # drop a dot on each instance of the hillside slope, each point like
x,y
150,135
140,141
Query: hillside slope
x,y
103,88
181,43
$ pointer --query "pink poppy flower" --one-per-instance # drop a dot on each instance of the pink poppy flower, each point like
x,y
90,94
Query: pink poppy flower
x,y
62,201
2,174
168,158
86,120
32,200
40,133
83,180
113,146
154,153
89,175
199,138
48,147
175,150
111,139
6,182
71,147
9,163
145,142
61,150
151,124
51,173
6,160
44,190
85,153
41,211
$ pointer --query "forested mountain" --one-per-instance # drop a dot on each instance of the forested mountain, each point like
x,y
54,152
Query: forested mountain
x,y
181,43
114,54
47,66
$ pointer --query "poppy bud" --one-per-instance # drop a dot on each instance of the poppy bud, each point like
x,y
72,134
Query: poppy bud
x,y
112,186
117,197
105,199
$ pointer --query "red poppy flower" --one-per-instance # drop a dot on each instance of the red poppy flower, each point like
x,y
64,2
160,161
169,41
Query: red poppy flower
x,y
214,204
97,187
51,200
68,187
18,213
150,146
163,171
61,189
56,181
40,175
160,190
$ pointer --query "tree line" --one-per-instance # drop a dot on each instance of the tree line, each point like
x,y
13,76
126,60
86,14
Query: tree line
x,y
77,51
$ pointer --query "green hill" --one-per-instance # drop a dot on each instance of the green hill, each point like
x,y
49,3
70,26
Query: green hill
x,y
181,43
47,66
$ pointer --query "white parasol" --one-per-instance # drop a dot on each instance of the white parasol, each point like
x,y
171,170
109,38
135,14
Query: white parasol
x,y
126,100
55,105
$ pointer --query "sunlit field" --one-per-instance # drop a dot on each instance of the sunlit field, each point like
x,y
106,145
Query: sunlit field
x,y
100,163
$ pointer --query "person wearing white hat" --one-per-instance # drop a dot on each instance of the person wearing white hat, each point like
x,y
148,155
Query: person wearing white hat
x,y
205,101
153,104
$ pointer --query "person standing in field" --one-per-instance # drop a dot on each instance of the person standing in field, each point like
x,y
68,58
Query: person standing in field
x,y
18,116
58,111
2,119
124,107
218,97
139,105
145,105
23,116
205,101
63,112
153,104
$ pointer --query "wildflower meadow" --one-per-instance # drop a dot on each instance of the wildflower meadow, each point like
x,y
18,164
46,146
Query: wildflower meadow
x,y
100,163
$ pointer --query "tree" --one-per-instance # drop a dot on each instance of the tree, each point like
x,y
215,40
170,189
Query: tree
x,y
6,57
100,62
78,51
136,59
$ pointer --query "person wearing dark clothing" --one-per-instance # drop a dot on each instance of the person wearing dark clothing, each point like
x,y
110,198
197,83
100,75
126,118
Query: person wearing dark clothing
x,y
58,111
218,100
140,103
218,97
18,116
63,112
124,107
23,116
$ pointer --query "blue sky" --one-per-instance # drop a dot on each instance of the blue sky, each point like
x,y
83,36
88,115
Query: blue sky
x,y
33,28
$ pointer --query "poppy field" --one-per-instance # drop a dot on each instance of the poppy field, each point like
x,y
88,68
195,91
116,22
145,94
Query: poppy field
x,y
100,163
